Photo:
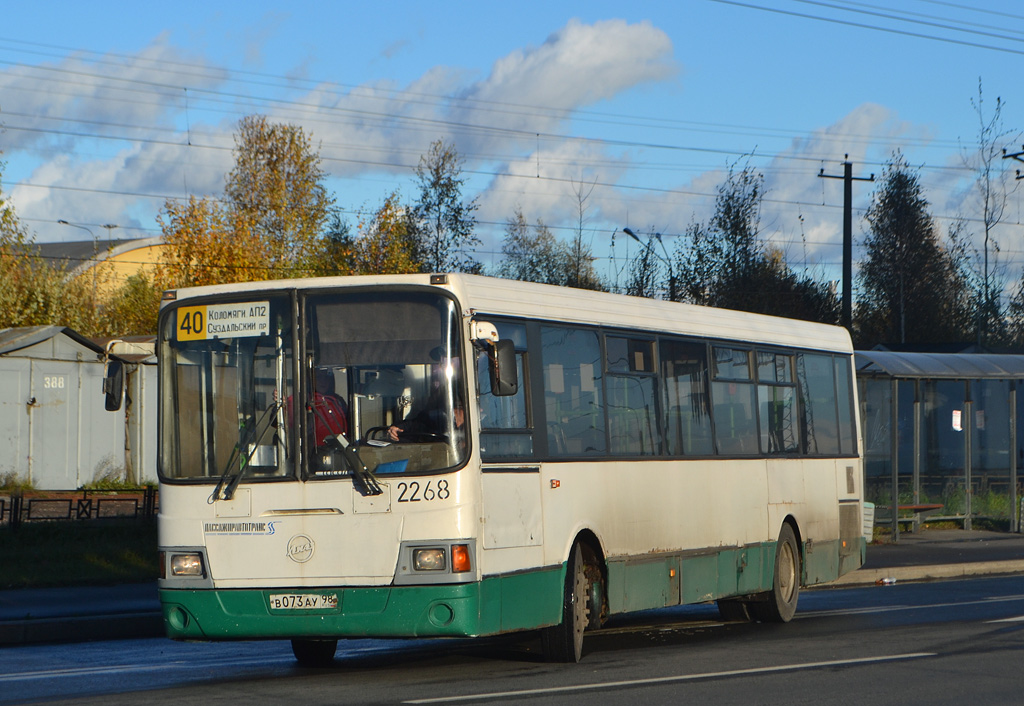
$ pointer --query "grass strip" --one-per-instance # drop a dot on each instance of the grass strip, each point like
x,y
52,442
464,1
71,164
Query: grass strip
x,y
86,553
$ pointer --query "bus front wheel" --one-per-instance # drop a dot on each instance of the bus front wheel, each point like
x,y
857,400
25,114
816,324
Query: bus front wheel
x,y
314,653
780,605
564,642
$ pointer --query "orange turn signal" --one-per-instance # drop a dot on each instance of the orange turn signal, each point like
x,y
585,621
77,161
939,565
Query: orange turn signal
x,y
460,558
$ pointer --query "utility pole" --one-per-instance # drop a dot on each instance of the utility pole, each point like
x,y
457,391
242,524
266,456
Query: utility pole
x,y
848,179
1019,156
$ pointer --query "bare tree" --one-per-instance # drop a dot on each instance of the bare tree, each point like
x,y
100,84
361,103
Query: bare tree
x,y
581,272
992,191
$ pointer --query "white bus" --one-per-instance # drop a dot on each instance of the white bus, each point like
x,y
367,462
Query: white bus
x,y
454,455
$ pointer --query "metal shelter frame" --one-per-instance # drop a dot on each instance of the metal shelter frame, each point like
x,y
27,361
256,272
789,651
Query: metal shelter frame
x,y
958,367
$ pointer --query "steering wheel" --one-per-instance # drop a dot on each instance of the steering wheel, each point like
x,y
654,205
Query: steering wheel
x,y
422,437
410,437
372,431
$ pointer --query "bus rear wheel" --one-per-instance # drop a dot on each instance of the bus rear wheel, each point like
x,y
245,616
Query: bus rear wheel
x,y
780,605
564,642
314,653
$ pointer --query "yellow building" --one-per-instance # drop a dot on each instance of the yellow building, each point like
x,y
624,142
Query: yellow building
x,y
111,261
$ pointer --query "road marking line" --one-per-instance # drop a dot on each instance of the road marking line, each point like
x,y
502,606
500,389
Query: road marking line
x,y
678,678
122,668
896,608
1017,619
80,671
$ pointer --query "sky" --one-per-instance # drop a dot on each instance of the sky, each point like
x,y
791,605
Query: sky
x,y
596,116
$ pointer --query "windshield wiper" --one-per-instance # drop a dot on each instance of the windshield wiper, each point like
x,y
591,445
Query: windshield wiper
x,y
364,477
266,422
368,484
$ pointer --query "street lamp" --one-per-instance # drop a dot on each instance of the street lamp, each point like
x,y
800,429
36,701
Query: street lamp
x,y
95,245
87,229
666,259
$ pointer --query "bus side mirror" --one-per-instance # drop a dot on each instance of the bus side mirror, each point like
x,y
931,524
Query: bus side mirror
x,y
504,374
113,385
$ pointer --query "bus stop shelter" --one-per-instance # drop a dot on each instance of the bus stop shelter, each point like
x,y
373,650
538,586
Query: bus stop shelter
x,y
941,435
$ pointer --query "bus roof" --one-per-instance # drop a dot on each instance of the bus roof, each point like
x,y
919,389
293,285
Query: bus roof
x,y
502,297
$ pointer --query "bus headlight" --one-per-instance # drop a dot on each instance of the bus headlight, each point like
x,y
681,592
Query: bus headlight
x,y
187,565
436,562
429,559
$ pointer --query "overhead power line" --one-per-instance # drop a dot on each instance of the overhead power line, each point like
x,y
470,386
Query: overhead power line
x,y
877,28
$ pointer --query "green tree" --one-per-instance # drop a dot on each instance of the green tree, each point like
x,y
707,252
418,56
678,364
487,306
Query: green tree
x,y
444,223
276,187
337,249
645,273
532,253
725,263
913,290
132,309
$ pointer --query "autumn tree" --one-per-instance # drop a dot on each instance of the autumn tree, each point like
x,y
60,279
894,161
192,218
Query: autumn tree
x,y
387,242
444,223
270,223
276,188
207,242
33,292
913,290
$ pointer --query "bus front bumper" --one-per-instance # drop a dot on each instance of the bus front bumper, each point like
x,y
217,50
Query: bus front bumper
x,y
494,605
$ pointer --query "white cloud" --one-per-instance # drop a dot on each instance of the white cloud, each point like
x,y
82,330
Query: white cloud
x,y
374,129
577,66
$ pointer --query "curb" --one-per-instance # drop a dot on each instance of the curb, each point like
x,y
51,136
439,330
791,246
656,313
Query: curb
x,y
863,577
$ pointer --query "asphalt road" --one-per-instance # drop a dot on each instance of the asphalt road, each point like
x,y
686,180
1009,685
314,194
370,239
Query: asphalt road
x,y
942,642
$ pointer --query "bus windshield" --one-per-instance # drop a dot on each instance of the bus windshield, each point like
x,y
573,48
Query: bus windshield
x,y
380,387
386,379
227,368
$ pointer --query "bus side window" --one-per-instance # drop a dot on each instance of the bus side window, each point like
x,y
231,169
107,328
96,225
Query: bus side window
x,y
820,426
686,425
632,426
573,401
844,398
776,398
734,403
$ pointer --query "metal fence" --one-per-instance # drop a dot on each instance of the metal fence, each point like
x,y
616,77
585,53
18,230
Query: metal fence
x,y
71,505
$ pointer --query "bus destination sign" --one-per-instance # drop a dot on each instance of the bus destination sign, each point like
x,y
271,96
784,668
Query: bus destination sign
x,y
200,323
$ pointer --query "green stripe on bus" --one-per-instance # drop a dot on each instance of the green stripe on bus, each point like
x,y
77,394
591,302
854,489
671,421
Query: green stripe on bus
x,y
643,583
498,604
